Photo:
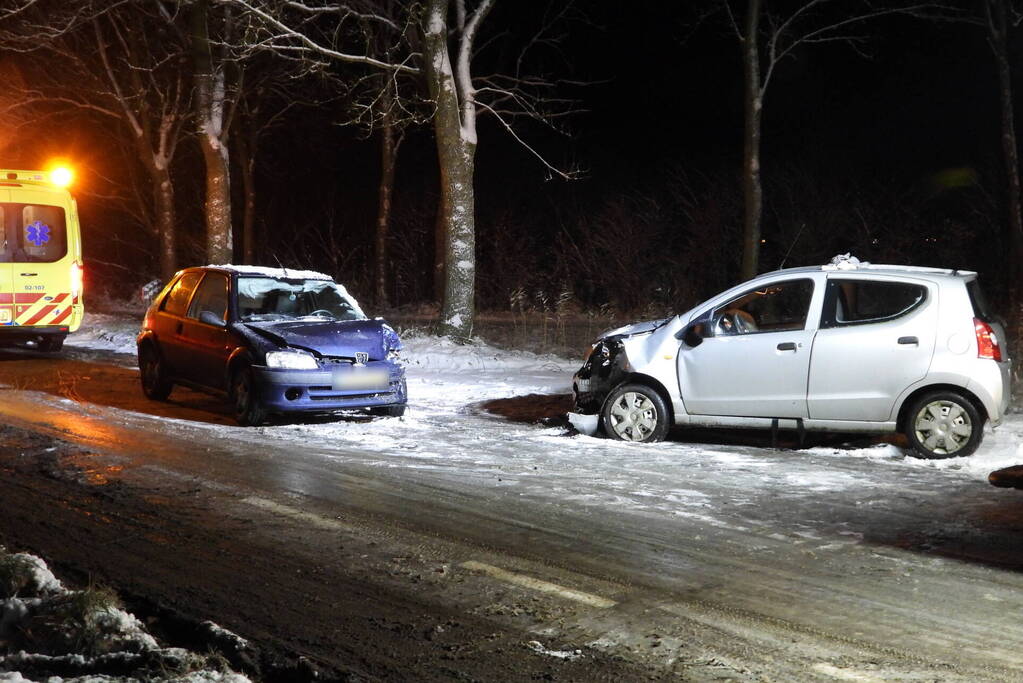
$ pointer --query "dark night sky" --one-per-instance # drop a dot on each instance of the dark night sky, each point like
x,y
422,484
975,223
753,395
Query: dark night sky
x,y
924,100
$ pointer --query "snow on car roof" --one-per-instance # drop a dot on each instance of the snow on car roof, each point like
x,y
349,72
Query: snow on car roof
x,y
847,263
288,273
912,269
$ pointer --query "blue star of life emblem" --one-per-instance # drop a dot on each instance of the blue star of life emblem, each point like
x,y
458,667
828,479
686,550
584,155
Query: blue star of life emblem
x,y
37,233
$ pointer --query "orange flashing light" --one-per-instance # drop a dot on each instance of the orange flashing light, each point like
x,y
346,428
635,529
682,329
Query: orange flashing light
x,y
61,176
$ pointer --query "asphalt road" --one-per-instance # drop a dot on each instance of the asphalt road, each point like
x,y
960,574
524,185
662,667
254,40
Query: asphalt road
x,y
337,568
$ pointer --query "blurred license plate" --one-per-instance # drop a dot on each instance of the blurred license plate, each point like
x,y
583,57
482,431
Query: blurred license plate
x,y
361,378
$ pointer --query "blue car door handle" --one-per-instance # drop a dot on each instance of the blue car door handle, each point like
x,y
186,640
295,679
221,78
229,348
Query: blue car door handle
x,y
787,346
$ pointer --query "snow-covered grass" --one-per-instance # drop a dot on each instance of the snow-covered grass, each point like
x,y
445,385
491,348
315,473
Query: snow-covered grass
x,y
47,629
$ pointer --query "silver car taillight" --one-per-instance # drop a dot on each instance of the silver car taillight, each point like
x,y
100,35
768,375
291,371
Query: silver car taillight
x,y
987,341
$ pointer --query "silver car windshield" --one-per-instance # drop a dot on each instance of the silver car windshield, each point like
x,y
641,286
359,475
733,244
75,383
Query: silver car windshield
x,y
267,299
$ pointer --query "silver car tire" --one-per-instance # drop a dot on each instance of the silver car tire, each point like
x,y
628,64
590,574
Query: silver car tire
x,y
635,412
943,424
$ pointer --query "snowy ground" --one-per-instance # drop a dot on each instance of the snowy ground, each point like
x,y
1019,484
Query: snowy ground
x,y
750,516
52,628
446,379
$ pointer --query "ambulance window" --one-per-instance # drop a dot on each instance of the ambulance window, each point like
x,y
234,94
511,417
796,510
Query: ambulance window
x,y
211,296
176,302
43,236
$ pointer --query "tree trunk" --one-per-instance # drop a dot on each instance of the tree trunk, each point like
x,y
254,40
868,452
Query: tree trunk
x,y
163,191
456,151
165,220
247,162
389,144
210,101
439,236
998,28
219,238
753,192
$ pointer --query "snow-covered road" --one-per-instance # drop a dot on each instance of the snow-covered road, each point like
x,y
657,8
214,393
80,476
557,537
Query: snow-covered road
x,y
853,562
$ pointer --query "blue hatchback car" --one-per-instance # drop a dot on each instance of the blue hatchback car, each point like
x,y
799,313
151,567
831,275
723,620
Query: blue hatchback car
x,y
271,340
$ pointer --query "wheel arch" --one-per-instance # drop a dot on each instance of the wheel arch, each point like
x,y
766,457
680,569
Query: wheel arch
x,y
652,382
931,388
148,341
238,359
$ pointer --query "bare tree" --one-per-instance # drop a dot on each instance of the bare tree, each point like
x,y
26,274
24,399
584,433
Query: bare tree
x,y
113,63
147,90
451,87
135,66
999,17
216,75
769,35
263,103
392,133
316,34
385,104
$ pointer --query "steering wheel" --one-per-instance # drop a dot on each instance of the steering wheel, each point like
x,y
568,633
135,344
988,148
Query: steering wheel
x,y
321,312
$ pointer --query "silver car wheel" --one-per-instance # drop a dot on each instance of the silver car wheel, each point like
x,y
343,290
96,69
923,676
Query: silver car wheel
x,y
943,427
633,416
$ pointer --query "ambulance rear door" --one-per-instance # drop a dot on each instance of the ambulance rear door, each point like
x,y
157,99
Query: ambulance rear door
x,y
8,244
42,266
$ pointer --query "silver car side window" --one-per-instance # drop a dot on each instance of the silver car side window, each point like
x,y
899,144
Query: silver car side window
x,y
858,302
774,307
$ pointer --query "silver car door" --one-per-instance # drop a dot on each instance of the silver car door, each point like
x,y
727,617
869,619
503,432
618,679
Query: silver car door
x,y
877,337
756,361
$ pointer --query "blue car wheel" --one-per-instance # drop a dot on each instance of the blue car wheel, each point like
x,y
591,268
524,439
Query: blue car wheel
x,y
155,383
247,410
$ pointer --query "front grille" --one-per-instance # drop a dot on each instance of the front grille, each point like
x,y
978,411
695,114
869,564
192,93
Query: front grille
x,y
336,360
345,397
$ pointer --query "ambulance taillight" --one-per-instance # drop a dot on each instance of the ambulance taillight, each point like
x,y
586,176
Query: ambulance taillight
x,y
77,275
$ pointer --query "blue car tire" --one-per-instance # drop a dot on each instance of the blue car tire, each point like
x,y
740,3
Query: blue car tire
x,y
247,410
155,383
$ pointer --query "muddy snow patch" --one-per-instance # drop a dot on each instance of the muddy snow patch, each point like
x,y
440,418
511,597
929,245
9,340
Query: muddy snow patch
x,y
538,647
48,632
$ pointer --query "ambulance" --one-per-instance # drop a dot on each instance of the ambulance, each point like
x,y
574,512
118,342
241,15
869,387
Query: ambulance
x,y
40,259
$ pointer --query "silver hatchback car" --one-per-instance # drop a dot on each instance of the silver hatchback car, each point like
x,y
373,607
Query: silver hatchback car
x,y
845,347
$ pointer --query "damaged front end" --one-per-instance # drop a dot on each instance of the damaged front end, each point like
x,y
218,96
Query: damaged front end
x,y
618,356
604,367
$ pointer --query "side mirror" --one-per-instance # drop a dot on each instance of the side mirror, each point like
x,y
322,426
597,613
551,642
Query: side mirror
x,y
211,318
693,333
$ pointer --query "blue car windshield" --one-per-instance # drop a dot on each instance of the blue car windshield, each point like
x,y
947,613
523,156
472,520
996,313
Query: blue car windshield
x,y
267,299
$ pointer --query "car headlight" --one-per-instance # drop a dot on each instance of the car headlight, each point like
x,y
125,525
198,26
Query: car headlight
x,y
291,360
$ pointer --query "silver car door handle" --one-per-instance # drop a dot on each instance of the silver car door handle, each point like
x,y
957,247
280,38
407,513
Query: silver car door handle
x,y
908,340
787,346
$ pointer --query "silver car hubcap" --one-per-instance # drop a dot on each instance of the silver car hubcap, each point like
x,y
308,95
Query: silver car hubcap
x,y
633,416
943,427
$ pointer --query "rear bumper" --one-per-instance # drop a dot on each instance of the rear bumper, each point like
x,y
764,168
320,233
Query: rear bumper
x,y
991,382
311,391
17,334
44,317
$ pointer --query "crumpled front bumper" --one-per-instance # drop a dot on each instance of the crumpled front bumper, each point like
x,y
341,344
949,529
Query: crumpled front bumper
x,y
602,371
286,391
